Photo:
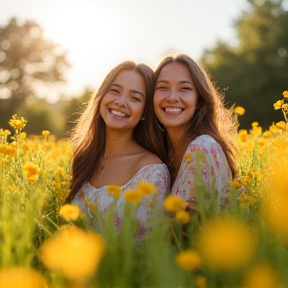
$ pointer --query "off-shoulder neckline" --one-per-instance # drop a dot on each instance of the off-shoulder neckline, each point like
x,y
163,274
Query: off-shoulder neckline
x,y
126,184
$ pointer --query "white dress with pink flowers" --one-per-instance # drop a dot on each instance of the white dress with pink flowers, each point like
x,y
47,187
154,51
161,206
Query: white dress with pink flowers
x,y
204,168
91,199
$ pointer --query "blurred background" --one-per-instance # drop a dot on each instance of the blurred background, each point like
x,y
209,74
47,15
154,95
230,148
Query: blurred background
x,y
55,53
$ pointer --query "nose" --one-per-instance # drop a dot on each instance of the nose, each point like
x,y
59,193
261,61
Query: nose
x,y
173,96
121,100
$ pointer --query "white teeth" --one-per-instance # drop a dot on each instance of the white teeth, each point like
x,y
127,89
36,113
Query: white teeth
x,y
173,110
119,114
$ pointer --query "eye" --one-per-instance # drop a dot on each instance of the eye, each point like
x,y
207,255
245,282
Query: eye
x,y
136,99
187,88
114,90
161,88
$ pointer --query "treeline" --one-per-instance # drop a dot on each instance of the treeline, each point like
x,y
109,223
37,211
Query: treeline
x,y
253,72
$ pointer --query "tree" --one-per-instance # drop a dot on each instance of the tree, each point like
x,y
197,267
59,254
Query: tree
x,y
253,72
27,61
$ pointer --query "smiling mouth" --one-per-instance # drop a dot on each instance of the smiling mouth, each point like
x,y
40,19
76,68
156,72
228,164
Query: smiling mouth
x,y
118,113
173,111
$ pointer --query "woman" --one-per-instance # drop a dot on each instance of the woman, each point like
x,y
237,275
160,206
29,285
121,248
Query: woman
x,y
116,142
197,129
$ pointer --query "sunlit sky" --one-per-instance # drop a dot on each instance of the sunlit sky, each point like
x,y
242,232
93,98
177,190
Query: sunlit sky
x,y
100,34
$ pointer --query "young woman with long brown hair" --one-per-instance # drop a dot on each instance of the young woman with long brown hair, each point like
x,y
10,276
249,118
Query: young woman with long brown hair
x,y
198,130
117,142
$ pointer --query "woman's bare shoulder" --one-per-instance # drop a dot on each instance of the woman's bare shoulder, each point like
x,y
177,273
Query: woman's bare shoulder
x,y
148,158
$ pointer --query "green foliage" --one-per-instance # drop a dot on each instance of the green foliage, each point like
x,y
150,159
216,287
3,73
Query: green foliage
x,y
254,70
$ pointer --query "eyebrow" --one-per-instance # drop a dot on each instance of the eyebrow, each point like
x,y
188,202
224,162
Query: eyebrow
x,y
133,91
181,82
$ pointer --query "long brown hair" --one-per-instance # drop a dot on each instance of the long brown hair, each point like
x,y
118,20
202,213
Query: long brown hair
x,y
211,117
88,137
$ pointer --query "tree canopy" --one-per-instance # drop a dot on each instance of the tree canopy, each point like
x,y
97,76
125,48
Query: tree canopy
x,y
253,72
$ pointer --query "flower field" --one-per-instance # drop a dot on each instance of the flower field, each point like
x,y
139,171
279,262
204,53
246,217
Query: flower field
x,y
44,243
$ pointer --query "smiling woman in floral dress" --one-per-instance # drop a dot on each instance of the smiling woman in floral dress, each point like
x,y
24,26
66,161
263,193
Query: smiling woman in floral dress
x,y
116,142
198,130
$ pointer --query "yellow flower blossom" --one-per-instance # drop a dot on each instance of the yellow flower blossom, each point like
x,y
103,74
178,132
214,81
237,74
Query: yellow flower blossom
x,y
235,183
70,212
16,277
278,105
281,125
285,107
32,171
188,260
261,275
18,123
225,243
146,188
267,134
255,124
74,252
239,110
8,149
174,203
6,132
114,191
45,133
183,216
132,196
285,94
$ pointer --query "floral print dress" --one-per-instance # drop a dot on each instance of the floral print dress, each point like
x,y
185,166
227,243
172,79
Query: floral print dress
x,y
204,168
89,197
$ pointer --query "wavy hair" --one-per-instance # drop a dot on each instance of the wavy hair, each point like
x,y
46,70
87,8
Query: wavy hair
x,y
211,117
88,136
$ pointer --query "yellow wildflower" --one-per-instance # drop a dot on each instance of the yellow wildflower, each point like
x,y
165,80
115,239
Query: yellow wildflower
x,y
16,277
45,133
132,196
8,149
188,260
74,252
70,212
225,243
267,134
255,124
174,203
146,188
281,125
235,183
239,110
114,191
261,275
278,105
285,107
17,123
274,208
7,132
285,94
32,171
183,216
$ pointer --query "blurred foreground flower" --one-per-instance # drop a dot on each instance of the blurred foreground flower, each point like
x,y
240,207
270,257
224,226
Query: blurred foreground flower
x,y
74,252
20,277
225,243
188,260
114,191
146,188
132,196
262,276
183,216
174,203
70,212
274,208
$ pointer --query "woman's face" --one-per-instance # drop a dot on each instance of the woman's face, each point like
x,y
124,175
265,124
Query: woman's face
x,y
123,104
175,97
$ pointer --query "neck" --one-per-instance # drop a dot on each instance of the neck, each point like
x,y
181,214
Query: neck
x,y
118,142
